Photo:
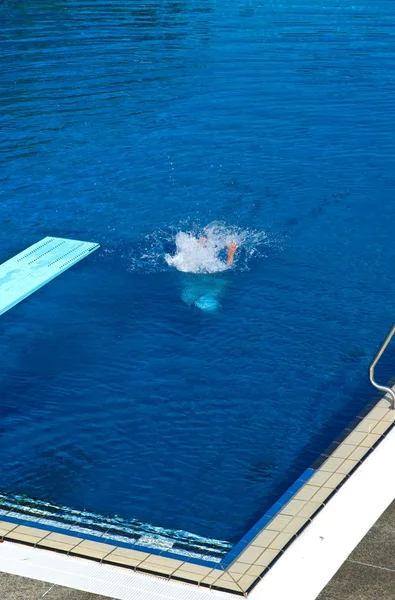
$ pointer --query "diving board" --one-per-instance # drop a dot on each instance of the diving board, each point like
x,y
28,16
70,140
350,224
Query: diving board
x,y
28,271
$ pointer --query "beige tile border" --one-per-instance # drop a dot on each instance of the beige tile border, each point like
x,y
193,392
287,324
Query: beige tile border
x,y
260,553
298,512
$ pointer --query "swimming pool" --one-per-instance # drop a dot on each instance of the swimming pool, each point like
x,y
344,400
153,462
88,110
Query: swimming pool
x,y
127,125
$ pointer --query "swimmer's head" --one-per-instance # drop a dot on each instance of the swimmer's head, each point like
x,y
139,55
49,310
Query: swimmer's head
x,y
203,240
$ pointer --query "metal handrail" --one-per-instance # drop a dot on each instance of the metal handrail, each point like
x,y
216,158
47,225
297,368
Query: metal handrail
x,y
374,362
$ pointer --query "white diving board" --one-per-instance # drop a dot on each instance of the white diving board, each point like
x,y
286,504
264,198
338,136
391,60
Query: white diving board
x,y
26,272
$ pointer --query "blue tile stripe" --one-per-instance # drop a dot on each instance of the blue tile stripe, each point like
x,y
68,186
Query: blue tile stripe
x,y
223,564
266,518
106,540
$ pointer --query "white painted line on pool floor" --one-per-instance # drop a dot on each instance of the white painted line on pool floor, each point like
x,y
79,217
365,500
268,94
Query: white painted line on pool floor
x,y
312,560
89,576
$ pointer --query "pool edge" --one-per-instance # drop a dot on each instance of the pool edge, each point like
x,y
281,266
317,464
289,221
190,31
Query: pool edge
x,y
259,550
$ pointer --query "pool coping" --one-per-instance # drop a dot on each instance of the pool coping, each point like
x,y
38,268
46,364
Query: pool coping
x,y
260,548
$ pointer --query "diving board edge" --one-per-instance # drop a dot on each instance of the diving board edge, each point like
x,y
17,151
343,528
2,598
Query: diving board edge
x,y
34,267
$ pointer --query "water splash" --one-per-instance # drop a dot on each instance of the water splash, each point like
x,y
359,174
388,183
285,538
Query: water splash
x,y
196,254
200,254
179,248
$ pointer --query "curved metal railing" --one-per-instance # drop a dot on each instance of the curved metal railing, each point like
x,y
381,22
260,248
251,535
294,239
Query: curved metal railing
x,y
374,362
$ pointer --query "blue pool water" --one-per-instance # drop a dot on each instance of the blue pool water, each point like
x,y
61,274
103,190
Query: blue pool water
x,y
125,123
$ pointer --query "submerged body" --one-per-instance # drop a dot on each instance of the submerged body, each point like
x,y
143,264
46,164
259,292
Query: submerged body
x,y
201,257
203,291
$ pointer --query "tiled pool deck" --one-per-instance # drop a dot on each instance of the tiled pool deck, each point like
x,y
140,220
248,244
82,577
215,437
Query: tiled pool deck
x,y
255,554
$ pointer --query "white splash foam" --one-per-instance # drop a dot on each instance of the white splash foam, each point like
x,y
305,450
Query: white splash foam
x,y
200,252
152,254
195,255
